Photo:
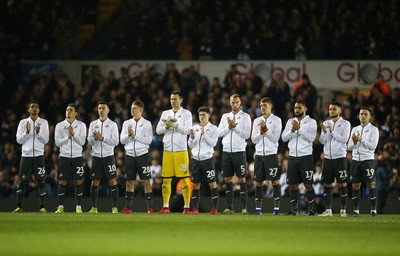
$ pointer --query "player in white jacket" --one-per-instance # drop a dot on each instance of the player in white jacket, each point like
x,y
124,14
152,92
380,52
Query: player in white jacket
x,y
300,132
234,129
202,140
70,136
136,135
335,133
265,135
103,136
175,125
33,135
363,142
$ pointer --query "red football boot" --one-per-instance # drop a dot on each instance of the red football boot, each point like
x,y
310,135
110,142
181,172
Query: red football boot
x,y
164,210
126,211
214,211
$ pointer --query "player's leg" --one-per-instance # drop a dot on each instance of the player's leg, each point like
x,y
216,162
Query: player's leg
x,y
196,177
94,194
342,176
109,169
369,178
62,190
195,198
148,194
96,174
20,195
130,176
343,198
227,173
63,176
79,195
143,169
78,174
167,172
186,191
214,197
307,170
25,174
39,173
356,184
259,177
277,196
239,165
112,182
129,193
273,173
327,178
293,180
181,166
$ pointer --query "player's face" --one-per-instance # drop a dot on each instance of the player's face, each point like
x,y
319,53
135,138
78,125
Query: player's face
x,y
136,111
299,110
266,108
176,101
235,104
364,116
204,117
34,109
70,113
103,110
334,111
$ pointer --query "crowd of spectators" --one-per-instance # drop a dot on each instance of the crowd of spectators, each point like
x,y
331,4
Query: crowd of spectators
x,y
209,29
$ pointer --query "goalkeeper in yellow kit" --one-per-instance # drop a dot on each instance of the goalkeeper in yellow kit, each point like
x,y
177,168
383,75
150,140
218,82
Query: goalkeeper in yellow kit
x,y
175,125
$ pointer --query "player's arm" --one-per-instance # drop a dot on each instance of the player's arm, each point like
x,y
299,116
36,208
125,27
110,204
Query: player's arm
x,y
161,129
211,138
80,135
256,136
22,135
113,138
244,129
324,137
147,136
274,132
43,135
192,142
185,123
58,138
371,142
287,133
90,137
350,142
223,128
309,131
124,137
342,135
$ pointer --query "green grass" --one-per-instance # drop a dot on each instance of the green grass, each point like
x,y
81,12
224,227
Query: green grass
x,y
178,234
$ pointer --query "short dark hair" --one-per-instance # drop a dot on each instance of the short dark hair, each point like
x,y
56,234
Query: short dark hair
x,y
72,105
336,104
204,109
138,103
102,102
267,100
33,102
177,93
235,96
301,102
365,108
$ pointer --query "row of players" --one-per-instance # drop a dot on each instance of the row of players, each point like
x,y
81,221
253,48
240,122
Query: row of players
x,y
176,125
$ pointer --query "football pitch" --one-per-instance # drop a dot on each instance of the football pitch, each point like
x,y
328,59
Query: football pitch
x,y
202,234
